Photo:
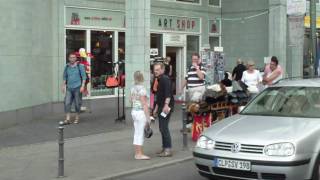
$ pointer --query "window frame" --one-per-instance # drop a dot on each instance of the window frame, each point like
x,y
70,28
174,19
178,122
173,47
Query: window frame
x,y
211,5
189,3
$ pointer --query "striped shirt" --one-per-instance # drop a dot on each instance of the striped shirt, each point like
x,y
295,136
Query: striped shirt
x,y
192,77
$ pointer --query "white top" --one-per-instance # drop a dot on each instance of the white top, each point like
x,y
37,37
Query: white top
x,y
251,79
137,91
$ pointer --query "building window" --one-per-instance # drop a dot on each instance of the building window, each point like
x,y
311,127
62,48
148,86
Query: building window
x,y
156,42
214,2
214,42
189,1
75,39
102,63
214,26
192,47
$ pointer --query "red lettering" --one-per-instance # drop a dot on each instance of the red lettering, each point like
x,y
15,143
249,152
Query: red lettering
x,y
193,24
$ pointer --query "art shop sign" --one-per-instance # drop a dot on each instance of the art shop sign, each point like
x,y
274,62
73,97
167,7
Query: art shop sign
x,y
175,23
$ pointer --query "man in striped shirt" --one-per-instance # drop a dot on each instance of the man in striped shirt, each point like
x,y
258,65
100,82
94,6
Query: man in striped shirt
x,y
195,79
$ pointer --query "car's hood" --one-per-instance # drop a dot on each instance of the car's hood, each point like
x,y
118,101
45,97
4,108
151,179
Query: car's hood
x,y
262,130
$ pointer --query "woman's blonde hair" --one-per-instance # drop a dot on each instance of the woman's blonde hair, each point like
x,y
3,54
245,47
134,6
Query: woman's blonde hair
x,y
138,77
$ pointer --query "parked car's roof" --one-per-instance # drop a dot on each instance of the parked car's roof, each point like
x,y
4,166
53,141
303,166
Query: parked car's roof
x,y
314,82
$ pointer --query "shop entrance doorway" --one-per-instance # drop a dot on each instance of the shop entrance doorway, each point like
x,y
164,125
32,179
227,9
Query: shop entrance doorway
x,y
177,63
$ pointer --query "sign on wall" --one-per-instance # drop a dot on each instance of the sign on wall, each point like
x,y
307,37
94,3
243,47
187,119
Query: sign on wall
x,y
296,7
175,23
116,19
175,39
93,17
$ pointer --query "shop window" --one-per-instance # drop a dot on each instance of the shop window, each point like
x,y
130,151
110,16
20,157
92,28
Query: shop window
x,y
214,42
156,42
192,47
190,1
214,2
102,63
75,39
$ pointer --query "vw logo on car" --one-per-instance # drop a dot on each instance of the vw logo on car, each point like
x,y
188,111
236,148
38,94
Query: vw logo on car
x,y
236,147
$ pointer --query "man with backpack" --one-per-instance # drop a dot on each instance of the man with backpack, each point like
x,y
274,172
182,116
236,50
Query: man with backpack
x,y
74,78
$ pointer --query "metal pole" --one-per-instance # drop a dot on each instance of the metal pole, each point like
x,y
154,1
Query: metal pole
x,y
61,151
184,127
313,28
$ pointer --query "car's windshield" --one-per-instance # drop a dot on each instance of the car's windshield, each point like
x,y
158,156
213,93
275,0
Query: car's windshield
x,y
286,101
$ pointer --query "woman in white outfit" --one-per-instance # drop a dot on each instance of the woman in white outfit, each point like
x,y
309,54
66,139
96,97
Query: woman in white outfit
x,y
252,78
140,114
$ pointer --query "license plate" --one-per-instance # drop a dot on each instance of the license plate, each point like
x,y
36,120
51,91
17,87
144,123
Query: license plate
x,y
232,164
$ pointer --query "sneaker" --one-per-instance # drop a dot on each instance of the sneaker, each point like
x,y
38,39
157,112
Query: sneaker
x,y
83,108
160,151
166,153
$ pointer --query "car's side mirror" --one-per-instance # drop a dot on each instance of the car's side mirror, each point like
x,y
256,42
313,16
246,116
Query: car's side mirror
x,y
240,108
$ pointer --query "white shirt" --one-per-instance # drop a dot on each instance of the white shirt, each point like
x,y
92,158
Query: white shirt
x,y
137,91
251,79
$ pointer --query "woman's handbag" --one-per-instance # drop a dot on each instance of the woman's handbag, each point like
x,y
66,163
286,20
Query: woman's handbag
x,y
148,131
112,82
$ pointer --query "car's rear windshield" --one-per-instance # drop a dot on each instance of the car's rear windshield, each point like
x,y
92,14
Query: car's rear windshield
x,y
286,101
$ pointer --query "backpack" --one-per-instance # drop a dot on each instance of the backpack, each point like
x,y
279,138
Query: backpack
x,y
66,68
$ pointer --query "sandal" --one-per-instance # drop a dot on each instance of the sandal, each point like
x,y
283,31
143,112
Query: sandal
x,y
142,157
76,121
66,122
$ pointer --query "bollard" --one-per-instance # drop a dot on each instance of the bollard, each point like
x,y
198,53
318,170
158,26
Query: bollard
x,y
184,127
61,151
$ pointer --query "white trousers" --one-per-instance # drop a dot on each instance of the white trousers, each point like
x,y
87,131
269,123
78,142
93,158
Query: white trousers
x,y
139,122
195,94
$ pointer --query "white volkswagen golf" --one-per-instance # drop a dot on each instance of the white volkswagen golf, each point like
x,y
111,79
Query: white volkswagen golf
x,y
276,137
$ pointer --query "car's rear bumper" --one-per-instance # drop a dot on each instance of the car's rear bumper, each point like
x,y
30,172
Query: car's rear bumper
x,y
292,170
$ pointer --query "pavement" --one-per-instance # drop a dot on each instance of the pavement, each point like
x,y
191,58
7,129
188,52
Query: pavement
x,y
180,171
101,154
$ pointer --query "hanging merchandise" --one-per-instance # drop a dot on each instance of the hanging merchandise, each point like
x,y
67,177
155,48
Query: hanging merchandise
x,y
200,123
219,66
208,63
83,56
112,80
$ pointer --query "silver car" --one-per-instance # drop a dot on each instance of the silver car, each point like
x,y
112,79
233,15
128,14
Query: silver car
x,y
276,136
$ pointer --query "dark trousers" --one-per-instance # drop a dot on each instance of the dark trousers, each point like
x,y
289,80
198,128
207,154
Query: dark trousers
x,y
164,130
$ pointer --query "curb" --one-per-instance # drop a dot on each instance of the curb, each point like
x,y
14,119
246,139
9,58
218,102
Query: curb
x,y
136,171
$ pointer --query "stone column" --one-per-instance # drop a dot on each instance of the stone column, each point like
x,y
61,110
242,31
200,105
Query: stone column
x,y
295,46
278,31
137,42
